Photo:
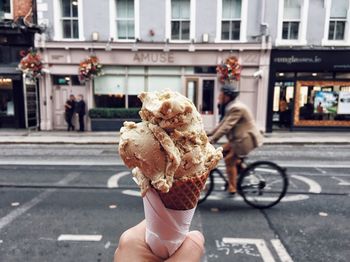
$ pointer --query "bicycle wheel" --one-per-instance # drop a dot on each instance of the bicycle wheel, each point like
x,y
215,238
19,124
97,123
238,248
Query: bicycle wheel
x,y
263,184
208,187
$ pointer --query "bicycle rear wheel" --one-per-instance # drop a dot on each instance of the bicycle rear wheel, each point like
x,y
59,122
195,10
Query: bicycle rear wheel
x,y
263,184
208,187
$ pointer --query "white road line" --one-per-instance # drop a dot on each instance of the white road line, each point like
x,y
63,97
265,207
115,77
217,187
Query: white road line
x,y
107,245
4,221
131,193
113,181
260,244
342,182
281,251
68,237
320,170
314,186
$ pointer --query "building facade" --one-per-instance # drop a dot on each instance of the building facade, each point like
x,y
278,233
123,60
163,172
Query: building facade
x,y
19,105
309,79
290,52
151,45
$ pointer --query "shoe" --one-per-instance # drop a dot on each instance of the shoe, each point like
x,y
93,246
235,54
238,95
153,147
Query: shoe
x,y
231,194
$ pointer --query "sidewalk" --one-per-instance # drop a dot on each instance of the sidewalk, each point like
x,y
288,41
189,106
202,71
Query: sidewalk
x,y
63,137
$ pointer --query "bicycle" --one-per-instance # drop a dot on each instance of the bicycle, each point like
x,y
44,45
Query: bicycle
x,y
262,184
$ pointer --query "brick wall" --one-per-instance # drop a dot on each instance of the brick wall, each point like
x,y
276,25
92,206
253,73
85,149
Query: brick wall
x,y
21,8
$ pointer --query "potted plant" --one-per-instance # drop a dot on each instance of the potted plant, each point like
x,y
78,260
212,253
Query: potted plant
x,y
31,63
229,71
89,68
112,119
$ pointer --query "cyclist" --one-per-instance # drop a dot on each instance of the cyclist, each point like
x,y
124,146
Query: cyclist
x,y
238,124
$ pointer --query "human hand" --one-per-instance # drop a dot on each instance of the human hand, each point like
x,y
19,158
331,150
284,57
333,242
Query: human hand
x,y
132,247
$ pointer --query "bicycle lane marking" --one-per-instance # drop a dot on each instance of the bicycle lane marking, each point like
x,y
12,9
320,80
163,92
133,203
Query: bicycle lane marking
x,y
254,247
4,221
113,181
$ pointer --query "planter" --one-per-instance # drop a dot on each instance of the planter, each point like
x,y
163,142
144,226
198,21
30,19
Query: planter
x,y
109,124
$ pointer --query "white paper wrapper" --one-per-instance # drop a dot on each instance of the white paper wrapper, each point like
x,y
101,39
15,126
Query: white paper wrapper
x,y
166,229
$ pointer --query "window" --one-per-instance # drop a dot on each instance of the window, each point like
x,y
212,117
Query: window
x,y
291,19
292,22
337,20
231,19
180,19
66,80
125,19
6,9
6,97
70,19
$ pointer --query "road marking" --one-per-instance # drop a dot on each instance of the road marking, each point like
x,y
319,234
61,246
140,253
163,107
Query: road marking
x,y
342,182
132,193
320,170
281,250
107,245
113,181
68,237
314,186
259,243
4,221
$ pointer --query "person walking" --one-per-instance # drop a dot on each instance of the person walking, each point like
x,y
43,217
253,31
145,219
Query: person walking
x,y
80,110
69,112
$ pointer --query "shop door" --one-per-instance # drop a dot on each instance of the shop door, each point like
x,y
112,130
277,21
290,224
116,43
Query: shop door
x,y
61,94
202,92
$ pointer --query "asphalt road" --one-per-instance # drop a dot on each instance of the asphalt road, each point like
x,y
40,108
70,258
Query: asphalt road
x,y
71,203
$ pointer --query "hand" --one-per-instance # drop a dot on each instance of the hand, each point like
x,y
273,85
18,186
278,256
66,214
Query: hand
x,y
132,247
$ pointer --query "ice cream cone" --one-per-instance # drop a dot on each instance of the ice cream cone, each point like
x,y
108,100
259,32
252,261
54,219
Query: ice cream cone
x,y
184,193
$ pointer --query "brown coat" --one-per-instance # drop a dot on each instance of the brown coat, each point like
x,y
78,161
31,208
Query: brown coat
x,y
240,128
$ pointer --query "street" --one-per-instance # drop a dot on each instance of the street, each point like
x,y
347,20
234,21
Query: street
x,y
72,203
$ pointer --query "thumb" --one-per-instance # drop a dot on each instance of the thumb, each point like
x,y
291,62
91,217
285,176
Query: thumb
x,y
191,250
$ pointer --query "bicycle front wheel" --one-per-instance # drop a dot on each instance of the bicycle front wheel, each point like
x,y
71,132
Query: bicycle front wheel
x,y
263,184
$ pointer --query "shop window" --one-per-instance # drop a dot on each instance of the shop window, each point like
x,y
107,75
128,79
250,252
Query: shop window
x,y
342,75
6,9
70,19
160,83
109,91
110,101
180,19
291,19
205,70
136,85
6,97
337,20
231,19
208,87
125,20
283,104
325,103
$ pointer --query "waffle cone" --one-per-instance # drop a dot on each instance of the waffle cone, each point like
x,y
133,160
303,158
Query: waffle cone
x,y
184,193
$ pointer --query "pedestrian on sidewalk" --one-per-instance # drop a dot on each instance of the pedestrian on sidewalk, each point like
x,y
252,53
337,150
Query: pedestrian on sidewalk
x,y
80,110
69,112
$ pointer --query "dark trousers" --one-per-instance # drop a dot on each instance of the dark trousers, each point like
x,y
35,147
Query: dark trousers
x,y
69,117
81,122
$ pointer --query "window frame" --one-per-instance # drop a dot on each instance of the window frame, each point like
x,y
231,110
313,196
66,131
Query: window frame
x,y
9,15
328,19
58,22
302,25
168,21
113,22
243,25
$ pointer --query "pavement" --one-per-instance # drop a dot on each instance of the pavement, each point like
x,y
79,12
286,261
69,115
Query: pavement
x,y
64,137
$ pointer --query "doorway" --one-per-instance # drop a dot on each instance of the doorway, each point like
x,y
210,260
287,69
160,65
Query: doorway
x,y
202,92
63,86
283,105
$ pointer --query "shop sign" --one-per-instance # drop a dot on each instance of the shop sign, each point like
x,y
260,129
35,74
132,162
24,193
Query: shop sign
x,y
156,58
298,60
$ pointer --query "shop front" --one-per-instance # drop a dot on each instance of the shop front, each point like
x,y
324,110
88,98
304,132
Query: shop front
x,y
18,95
127,73
309,90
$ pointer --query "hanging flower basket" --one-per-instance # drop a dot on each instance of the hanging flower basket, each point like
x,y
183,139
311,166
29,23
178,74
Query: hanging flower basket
x,y
230,70
89,68
31,63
